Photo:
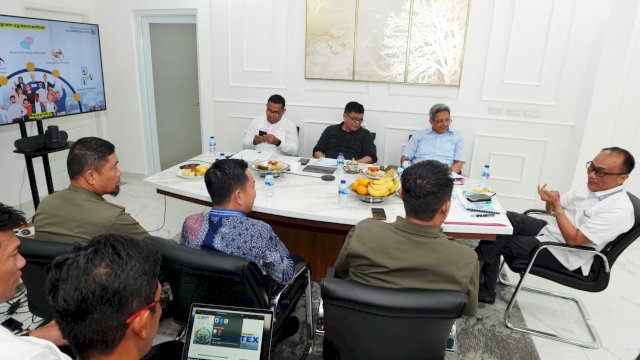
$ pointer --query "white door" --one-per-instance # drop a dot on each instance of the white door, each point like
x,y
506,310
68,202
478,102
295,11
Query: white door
x,y
170,92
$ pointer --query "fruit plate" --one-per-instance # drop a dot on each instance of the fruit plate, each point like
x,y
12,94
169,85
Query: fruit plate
x,y
368,198
375,175
276,167
188,171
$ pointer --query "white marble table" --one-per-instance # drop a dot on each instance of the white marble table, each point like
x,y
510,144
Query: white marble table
x,y
304,211
305,197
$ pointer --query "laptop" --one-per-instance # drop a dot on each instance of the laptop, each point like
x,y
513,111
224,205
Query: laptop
x,y
225,332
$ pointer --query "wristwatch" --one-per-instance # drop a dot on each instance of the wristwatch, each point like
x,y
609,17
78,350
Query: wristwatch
x,y
279,142
557,213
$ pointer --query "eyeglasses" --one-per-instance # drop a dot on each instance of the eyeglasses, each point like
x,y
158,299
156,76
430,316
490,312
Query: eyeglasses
x,y
445,121
137,313
599,172
358,120
276,113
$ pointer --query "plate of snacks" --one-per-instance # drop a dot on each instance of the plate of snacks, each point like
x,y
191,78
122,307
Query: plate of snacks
x,y
375,191
192,171
276,167
379,172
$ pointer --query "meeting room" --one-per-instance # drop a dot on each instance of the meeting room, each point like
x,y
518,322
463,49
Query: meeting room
x,y
319,179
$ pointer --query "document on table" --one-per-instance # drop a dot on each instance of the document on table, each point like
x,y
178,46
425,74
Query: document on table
x,y
460,216
250,155
325,162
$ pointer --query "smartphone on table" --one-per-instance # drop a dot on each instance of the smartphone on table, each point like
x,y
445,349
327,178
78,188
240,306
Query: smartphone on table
x,y
378,214
262,133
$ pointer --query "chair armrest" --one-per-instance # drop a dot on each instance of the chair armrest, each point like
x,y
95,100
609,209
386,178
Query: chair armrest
x,y
301,270
536,211
568,248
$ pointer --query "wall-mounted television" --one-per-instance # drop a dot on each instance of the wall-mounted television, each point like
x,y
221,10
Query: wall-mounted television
x,y
48,68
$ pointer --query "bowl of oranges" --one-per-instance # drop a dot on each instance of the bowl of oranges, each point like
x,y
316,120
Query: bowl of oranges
x,y
374,191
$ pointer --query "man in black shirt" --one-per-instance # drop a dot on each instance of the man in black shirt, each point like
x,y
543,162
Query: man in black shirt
x,y
348,137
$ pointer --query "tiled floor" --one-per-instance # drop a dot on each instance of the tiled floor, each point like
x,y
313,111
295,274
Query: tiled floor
x,y
614,311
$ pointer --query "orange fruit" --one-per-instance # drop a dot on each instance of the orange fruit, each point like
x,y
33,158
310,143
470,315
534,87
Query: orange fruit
x,y
355,186
362,190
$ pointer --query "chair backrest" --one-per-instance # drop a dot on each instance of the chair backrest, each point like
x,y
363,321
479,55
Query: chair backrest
x,y
39,254
370,322
597,279
200,276
613,249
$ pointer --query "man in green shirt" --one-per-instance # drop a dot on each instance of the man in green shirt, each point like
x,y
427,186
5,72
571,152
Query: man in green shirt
x,y
413,252
79,213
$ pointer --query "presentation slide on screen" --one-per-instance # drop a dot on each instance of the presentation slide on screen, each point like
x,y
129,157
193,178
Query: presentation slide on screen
x,y
227,336
48,68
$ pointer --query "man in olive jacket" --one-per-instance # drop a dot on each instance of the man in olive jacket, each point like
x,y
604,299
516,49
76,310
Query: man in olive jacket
x,y
413,252
79,213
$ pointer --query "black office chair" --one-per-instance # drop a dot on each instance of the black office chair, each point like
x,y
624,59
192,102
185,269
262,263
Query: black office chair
x,y
596,281
370,322
201,276
39,254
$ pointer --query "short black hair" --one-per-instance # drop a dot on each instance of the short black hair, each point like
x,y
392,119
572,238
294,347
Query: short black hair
x,y
277,99
629,161
224,177
425,187
354,107
95,288
10,218
88,153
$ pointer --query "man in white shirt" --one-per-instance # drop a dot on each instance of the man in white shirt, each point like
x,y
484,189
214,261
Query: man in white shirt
x,y
40,342
591,215
272,132
16,111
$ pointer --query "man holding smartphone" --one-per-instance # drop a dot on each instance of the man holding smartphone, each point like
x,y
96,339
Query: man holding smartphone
x,y
413,252
272,132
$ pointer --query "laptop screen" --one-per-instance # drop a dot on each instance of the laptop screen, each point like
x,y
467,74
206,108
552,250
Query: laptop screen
x,y
224,332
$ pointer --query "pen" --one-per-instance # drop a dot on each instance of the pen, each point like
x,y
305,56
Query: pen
x,y
482,215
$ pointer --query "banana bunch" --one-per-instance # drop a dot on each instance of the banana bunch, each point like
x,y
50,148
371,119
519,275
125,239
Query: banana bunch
x,y
383,187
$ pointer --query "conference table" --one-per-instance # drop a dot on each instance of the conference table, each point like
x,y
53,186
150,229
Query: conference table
x,y
304,210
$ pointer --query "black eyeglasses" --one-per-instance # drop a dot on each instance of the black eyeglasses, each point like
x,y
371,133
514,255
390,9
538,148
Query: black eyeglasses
x,y
355,119
600,172
276,113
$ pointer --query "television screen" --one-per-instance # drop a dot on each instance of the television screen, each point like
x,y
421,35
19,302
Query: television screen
x,y
48,68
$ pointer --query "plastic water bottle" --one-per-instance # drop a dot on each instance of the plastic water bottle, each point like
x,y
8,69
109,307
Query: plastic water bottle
x,y
484,182
342,193
340,163
212,144
221,156
406,164
269,184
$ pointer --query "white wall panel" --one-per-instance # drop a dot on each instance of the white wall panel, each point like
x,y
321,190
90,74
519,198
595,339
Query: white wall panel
x,y
528,51
237,126
257,44
516,163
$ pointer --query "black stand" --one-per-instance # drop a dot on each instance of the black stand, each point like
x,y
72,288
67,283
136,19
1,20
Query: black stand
x,y
28,158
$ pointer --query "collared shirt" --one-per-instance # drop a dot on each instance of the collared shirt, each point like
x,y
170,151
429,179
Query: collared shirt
x,y
427,144
76,215
353,144
601,221
408,255
28,348
16,111
285,130
233,233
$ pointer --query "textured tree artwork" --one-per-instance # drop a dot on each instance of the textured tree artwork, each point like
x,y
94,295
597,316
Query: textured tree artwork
x,y
399,41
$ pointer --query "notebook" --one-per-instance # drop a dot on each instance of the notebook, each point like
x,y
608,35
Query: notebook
x,y
225,332
319,169
485,207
